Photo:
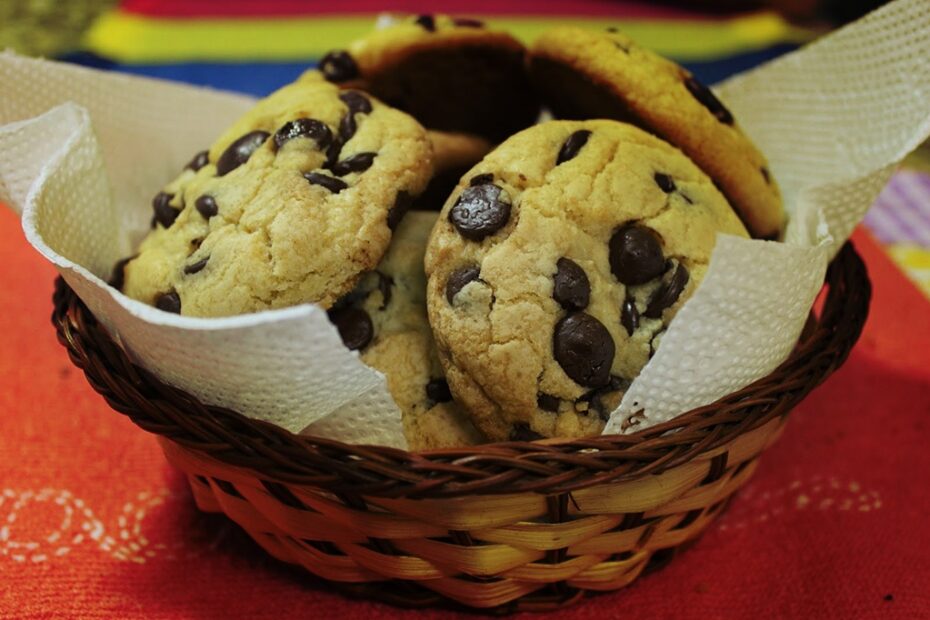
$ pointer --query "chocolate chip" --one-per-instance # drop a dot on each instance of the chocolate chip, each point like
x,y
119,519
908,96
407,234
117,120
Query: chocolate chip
x,y
317,131
629,316
584,349
331,183
206,206
354,327
399,210
195,244
688,200
359,162
200,160
595,398
459,278
118,277
196,267
481,179
571,147
427,22
636,255
239,151
465,22
165,214
332,153
385,285
667,293
571,287
707,98
480,211
522,432
356,102
665,182
766,174
437,391
169,302
347,127
338,66
547,402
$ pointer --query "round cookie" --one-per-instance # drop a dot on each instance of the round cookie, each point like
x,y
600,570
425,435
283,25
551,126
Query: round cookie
x,y
385,318
589,74
291,205
451,74
453,155
556,265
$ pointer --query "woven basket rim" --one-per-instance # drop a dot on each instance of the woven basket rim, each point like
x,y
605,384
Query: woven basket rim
x,y
545,466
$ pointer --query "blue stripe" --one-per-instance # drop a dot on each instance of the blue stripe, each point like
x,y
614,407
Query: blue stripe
x,y
261,78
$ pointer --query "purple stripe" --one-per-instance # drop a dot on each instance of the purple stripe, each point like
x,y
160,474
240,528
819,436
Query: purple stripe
x,y
912,186
908,210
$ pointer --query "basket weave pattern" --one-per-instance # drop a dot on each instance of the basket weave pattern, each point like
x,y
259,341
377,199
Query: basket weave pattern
x,y
508,526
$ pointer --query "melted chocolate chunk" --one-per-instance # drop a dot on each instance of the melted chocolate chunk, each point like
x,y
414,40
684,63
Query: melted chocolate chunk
x,y
307,127
665,182
465,22
347,127
459,278
595,398
359,162
169,302
195,244
584,349
629,316
571,147
427,22
354,327
571,287
547,402
667,293
636,255
385,285
437,391
356,102
324,180
707,98
165,214
118,277
206,206
239,151
481,179
522,432
338,66
196,267
399,210
200,160
480,211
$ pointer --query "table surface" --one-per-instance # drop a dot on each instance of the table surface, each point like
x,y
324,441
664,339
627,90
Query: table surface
x,y
95,524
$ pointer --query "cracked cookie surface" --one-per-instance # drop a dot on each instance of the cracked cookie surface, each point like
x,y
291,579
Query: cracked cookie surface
x,y
291,205
555,267
595,74
384,318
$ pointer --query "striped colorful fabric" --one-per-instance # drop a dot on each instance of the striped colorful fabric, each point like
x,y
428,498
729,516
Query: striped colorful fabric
x,y
255,47
902,212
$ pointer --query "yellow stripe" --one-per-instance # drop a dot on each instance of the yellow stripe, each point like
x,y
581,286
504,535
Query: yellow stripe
x,y
129,38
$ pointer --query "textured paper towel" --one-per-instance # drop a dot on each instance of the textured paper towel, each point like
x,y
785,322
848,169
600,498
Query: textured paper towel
x,y
833,119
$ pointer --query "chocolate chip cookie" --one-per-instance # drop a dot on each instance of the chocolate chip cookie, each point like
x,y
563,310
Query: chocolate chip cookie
x,y
451,74
555,267
291,205
587,74
385,319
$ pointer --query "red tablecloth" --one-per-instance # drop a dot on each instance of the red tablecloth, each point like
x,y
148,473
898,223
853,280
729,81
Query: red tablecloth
x,y
94,524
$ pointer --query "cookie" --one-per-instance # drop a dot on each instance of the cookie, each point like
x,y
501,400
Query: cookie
x,y
291,205
453,155
385,319
587,74
555,267
451,74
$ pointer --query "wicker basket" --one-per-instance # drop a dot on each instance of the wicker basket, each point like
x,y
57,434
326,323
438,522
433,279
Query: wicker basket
x,y
508,526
